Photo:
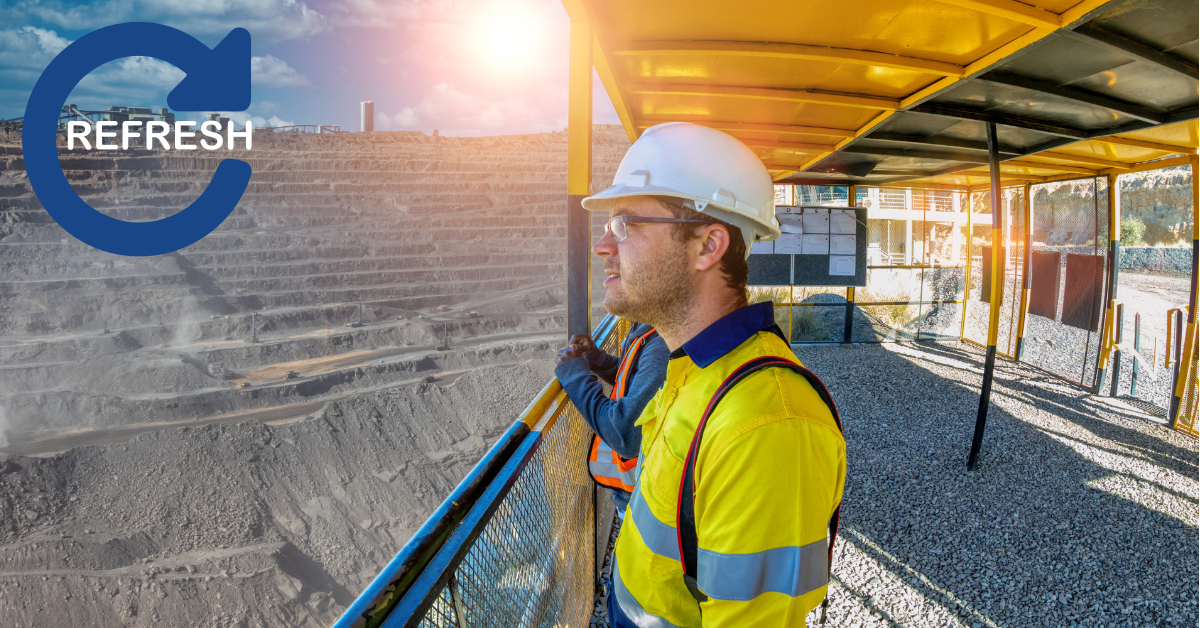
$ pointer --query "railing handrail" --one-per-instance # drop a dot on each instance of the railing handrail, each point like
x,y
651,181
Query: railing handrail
x,y
397,577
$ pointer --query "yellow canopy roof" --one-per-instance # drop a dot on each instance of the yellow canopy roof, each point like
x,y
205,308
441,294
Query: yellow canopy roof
x,y
898,92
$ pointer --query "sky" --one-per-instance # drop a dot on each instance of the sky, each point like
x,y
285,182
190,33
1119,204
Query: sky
x,y
463,67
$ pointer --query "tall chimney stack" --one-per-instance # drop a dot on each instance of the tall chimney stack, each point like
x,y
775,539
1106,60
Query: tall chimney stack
x,y
368,116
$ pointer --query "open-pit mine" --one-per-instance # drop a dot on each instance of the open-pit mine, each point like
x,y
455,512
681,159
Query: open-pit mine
x,y
243,432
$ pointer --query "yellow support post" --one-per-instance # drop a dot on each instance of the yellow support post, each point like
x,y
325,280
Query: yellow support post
x,y
1108,332
989,364
848,325
579,178
962,334
1027,274
1187,365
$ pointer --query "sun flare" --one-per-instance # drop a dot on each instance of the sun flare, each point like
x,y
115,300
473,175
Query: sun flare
x,y
507,37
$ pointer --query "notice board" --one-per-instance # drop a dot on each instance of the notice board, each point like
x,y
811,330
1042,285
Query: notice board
x,y
820,246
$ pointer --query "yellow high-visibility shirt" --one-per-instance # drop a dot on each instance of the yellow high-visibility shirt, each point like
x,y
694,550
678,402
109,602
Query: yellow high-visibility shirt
x,y
769,474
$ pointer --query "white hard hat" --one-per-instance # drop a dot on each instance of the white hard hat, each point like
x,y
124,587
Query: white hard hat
x,y
720,175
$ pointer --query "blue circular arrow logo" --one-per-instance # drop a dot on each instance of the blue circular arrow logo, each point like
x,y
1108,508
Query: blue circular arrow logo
x,y
217,79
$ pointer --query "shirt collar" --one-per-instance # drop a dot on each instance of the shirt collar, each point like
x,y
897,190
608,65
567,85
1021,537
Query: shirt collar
x,y
726,334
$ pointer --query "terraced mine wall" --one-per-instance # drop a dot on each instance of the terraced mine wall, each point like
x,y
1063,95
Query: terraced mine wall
x,y
244,431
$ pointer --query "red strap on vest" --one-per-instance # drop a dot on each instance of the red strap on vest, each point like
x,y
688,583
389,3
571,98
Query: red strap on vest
x,y
685,509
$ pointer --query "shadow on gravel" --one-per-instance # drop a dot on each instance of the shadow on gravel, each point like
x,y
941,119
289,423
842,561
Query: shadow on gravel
x,y
1086,519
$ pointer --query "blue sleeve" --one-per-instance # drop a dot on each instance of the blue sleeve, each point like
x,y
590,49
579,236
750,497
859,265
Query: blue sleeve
x,y
614,420
603,364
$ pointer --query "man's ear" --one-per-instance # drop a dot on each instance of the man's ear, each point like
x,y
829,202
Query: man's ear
x,y
713,243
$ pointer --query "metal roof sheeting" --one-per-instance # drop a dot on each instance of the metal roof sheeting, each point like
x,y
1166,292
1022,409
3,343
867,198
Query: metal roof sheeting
x,y
880,92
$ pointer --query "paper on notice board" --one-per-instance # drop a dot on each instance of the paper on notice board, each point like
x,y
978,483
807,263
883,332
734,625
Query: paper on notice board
x,y
842,221
788,244
815,244
841,265
816,220
790,223
842,245
763,248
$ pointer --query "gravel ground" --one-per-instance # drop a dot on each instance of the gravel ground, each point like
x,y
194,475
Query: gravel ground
x,y
1079,513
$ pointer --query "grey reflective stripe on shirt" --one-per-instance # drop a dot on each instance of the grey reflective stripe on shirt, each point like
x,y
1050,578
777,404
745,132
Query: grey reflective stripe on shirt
x,y
629,477
657,536
791,571
629,605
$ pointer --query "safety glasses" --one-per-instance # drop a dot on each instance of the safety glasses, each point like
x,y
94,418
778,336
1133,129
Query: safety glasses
x,y
616,226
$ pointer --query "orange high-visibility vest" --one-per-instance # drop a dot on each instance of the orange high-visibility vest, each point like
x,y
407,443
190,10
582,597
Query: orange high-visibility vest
x,y
608,468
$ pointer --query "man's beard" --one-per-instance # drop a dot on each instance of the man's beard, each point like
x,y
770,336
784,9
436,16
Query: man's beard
x,y
657,292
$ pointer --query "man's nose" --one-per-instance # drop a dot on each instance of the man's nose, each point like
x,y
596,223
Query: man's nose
x,y
606,246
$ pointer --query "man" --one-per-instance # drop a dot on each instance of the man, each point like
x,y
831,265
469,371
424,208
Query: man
x,y
635,377
771,466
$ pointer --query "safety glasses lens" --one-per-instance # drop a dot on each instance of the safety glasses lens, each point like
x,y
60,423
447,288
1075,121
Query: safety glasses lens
x,y
617,227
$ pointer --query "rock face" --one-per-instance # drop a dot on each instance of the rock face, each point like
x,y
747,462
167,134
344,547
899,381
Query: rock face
x,y
244,431
1159,199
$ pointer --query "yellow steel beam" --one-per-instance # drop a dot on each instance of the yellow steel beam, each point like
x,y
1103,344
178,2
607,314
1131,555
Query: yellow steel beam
x,y
802,52
1151,165
800,146
604,71
1082,159
581,10
1044,166
921,186
579,109
1132,143
646,122
1016,11
766,93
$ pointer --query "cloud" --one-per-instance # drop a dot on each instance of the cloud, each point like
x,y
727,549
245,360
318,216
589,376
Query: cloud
x,y
261,113
267,20
270,71
29,47
455,112
134,81
389,13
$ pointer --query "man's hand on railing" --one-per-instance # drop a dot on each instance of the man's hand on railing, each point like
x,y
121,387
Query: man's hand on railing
x,y
581,345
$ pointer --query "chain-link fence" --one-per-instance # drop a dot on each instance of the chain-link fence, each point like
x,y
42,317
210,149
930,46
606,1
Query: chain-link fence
x,y
1069,264
1156,251
1012,255
523,554
916,265
532,564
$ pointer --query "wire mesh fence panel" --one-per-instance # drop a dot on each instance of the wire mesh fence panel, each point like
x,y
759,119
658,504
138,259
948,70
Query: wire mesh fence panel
x,y
1156,249
1069,229
899,310
533,563
1189,402
916,247
943,282
1012,257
